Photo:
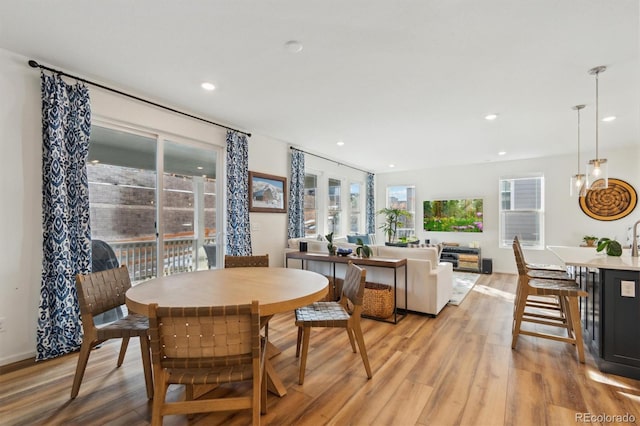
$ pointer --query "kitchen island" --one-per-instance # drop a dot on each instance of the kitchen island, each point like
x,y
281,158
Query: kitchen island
x,y
610,314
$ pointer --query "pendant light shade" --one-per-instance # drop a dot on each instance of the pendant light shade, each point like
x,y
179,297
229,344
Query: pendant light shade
x,y
578,186
597,173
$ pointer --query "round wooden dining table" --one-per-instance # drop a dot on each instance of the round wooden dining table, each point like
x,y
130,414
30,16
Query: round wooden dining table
x,y
277,290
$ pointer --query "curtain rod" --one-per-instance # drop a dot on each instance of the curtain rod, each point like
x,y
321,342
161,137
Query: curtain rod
x,y
34,64
329,159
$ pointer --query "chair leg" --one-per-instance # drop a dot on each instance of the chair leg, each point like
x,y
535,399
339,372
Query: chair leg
x,y
351,339
256,400
521,302
146,364
263,391
298,342
357,330
305,350
574,317
568,318
159,395
83,357
123,350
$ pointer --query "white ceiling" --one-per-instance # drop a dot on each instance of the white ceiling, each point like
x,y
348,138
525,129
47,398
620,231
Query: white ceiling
x,y
402,82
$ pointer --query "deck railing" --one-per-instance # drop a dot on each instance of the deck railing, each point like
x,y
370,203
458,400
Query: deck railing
x,y
180,255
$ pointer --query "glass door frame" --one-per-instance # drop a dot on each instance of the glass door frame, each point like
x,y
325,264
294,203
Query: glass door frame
x,y
161,137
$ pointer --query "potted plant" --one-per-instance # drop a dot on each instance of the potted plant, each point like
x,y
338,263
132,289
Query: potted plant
x,y
362,249
330,246
390,225
590,240
611,247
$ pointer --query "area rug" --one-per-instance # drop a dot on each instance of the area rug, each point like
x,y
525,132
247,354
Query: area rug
x,y
463,282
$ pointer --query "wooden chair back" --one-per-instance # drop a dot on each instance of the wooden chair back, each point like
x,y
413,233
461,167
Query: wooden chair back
x,y
102,291
246,261
204,336
519,255
354,283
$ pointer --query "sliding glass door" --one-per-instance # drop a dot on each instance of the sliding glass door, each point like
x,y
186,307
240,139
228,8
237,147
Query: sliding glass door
x,y
189,207
153,232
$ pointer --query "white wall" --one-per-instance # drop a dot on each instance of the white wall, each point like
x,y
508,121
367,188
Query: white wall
x,y
269,230
20,214
565,223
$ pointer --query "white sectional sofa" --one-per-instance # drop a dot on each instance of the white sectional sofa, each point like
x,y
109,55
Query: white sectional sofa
x,y
430,282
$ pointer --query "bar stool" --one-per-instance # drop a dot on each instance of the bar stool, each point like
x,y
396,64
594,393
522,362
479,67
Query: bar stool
x,y
567,313
545,272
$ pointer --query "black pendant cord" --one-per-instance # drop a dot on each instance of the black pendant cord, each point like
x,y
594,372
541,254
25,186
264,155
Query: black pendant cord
x,y
34,64
329,159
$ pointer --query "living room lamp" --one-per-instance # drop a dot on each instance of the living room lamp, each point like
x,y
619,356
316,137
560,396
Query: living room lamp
x,y
597,177
578,186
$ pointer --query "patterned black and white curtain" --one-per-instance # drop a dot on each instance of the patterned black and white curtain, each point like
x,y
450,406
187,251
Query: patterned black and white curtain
x,y
66,124
371,207
296,195
238,227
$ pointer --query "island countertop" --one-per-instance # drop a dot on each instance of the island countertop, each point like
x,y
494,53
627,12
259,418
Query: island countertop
x,y
589,257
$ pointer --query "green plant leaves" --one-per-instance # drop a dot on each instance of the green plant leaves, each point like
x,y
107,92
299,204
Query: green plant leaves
x,y
612,247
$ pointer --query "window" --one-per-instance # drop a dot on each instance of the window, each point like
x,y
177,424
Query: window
x,y
403,197
355,211
335,206
310,205
522,211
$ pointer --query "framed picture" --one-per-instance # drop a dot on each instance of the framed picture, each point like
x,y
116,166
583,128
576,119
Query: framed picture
x,y
268,193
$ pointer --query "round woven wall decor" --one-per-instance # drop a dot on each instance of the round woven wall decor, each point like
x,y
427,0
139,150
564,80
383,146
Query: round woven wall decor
x,y
613,203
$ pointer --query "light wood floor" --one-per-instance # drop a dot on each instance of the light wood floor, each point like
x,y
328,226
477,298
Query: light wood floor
x,y
456,369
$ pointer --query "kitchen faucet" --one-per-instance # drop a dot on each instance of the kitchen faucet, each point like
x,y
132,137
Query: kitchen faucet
x,y
634,244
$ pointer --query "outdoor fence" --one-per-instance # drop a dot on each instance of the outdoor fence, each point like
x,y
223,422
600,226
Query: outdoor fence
x,y
140,257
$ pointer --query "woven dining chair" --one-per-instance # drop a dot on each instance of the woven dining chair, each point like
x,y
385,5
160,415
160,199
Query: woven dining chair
x,y
335,314
566,313
207,346
100,292
246,261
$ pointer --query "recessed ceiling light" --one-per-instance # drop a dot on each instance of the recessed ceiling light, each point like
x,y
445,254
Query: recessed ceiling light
x,y
293,46
340,143
491,117
208,86
609,118
200,168
392,165
502,153
95,161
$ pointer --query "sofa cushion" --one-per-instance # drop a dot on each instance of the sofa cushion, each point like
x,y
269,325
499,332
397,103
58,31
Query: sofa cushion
x,y
422,253
313,245
353,239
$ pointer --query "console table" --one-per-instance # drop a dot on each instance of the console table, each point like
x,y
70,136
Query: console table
x,y
378,262
462,258
610,313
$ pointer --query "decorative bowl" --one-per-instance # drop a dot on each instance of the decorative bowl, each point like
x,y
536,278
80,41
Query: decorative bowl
x,y
344,251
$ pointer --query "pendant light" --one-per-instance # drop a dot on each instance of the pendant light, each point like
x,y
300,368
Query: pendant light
x,y
597,176
578,181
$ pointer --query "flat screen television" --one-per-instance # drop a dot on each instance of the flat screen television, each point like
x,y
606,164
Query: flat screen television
x,y
462,215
